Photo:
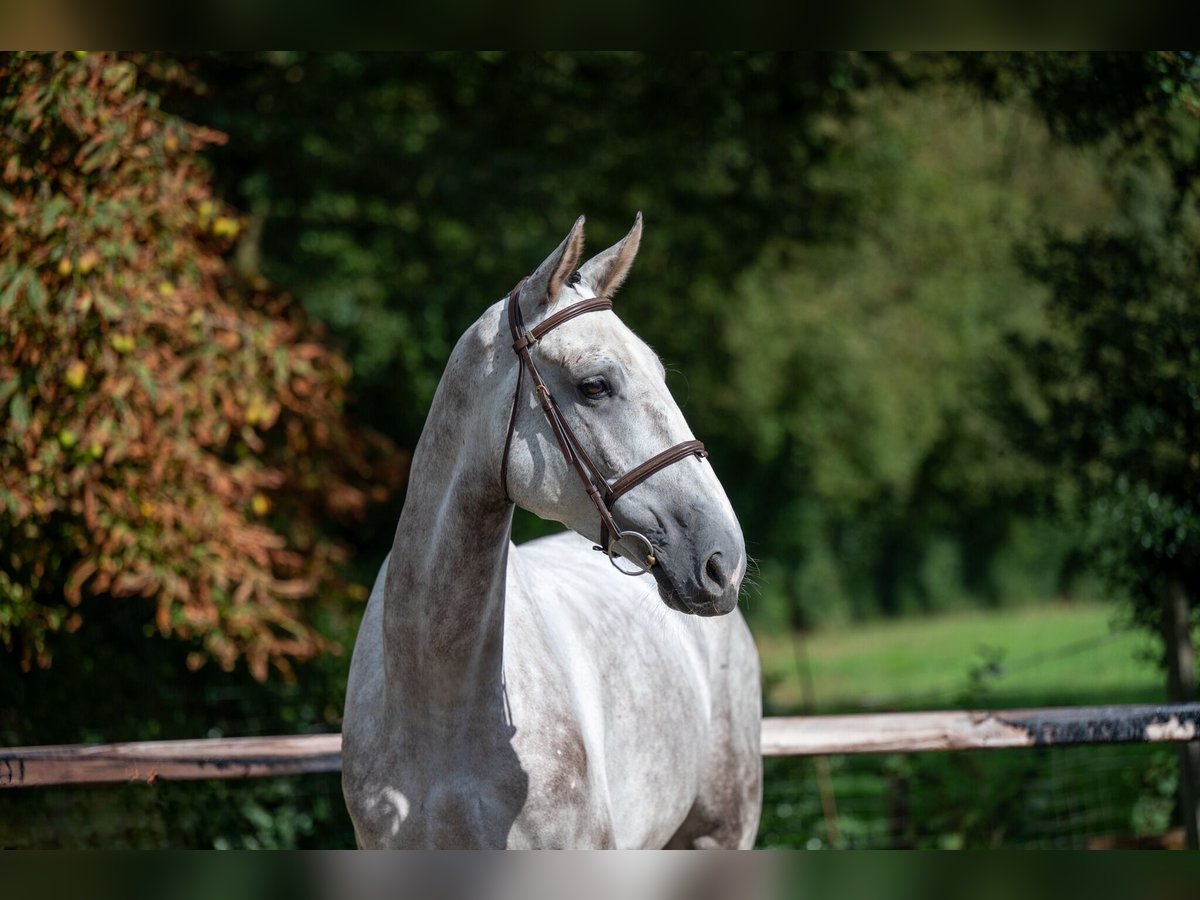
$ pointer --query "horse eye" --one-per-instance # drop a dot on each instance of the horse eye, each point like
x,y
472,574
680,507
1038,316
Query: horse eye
x,y
594,388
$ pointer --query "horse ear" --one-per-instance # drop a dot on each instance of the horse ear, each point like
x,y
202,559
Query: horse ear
x,y
544,284
606,271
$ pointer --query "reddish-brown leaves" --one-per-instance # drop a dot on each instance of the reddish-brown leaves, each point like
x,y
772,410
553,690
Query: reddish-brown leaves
x,y
167,432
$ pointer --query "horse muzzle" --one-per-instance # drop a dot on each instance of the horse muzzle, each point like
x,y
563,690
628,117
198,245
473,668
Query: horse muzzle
x,y
700,572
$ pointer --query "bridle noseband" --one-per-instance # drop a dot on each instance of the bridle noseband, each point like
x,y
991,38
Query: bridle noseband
x,y
629,545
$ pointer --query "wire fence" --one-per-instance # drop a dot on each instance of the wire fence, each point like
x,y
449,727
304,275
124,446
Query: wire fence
x,y
1044,797
1034,797
290,812
1049,796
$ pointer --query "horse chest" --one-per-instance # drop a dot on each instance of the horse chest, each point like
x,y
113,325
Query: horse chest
x,y
484,790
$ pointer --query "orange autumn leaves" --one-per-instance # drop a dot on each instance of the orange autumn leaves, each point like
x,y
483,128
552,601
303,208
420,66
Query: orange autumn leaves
x,y
170,431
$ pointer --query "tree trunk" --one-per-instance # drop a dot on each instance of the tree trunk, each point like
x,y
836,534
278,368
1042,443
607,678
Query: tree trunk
x,y
1181,687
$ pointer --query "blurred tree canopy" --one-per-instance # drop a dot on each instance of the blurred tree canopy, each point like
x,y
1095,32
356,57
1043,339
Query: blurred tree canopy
x,y
935,315
829,271
170,433
872,369
1120,368
402,194
854,269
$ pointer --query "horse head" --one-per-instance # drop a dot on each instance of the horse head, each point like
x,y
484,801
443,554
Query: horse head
x,y
596,441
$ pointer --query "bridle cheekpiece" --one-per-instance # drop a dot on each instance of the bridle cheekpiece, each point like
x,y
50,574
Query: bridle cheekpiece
x,y
629,546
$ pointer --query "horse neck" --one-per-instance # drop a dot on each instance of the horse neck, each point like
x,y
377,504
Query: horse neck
x,y
444,599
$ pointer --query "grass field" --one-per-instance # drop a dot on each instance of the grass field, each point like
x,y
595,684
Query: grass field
x,y
1049,654
1044,655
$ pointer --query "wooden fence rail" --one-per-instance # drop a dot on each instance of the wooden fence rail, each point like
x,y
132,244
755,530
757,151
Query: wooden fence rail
x,y
236,758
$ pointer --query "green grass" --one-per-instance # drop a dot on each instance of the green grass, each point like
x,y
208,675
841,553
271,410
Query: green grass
x,y
1050,654
1045,655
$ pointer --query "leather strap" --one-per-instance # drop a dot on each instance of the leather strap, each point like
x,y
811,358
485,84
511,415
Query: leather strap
x,y
596,304
657,463
602,494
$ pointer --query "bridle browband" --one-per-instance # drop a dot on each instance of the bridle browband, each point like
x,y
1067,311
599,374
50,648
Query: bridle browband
x,y
613,541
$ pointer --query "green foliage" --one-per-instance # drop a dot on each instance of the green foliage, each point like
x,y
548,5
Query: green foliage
x,y
301,812
866,373
1120,370
1126,400
115,682
828,269
935,316
1054,798
401,194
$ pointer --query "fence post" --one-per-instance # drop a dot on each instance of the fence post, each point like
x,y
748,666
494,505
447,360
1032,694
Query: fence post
x,y
808,693
1181,685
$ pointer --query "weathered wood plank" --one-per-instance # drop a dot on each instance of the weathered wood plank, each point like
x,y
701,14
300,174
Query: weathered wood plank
x,y
984,730
235,758
149,761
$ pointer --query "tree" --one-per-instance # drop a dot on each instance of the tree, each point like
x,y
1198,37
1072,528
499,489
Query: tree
x,y
869,369
399,194
171,432
1121,369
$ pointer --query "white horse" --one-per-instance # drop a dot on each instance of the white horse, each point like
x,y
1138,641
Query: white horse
x,y
533,695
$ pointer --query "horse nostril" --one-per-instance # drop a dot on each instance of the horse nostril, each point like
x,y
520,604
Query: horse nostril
x,y
713,570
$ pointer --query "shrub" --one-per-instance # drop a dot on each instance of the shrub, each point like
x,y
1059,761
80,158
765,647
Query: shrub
x,y
173,430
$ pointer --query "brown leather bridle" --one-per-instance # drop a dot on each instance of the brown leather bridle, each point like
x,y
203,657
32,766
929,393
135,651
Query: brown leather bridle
x,y
629,545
